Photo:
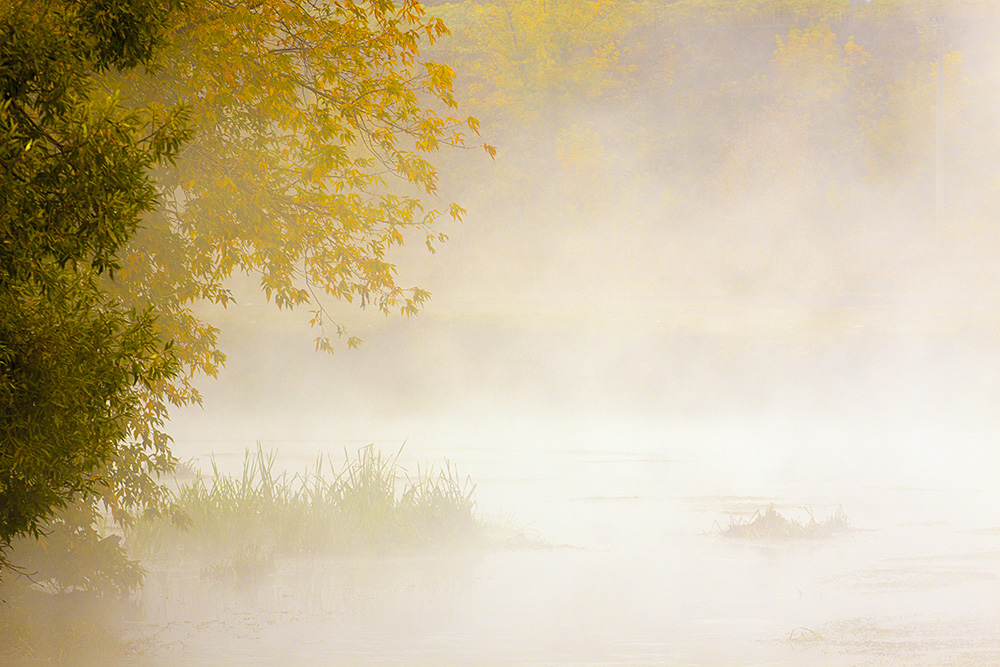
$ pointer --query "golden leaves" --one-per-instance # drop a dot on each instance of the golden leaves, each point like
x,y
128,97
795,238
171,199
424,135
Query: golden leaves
x,y
520,54
314,122
307,112
814,64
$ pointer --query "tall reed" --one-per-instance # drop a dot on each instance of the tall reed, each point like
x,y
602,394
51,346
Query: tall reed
x,y
369,504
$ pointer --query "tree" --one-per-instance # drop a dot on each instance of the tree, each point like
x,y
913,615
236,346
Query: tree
x,y
74,184
807,126
312,125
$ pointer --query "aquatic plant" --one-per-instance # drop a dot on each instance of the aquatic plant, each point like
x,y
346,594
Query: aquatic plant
x,y
771,525
369,504
246,566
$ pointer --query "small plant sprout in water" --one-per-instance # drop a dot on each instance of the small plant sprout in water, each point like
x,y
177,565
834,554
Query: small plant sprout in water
x,y
772,525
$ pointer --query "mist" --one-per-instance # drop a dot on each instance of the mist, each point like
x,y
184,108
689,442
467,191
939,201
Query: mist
x,y
742,279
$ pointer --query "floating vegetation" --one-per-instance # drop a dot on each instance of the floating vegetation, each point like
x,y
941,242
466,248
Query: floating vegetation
x,y
802,634
250,564
771,525
370,504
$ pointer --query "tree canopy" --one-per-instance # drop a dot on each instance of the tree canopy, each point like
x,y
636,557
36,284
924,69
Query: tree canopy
x,y
314,124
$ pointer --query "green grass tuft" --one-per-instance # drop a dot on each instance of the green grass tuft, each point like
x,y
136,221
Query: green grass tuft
x,y
368,505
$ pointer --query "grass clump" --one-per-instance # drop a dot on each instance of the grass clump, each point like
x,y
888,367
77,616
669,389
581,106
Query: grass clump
x,y
367,505
771,525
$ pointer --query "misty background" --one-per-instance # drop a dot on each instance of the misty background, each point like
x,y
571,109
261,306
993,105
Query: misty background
x,y
725,244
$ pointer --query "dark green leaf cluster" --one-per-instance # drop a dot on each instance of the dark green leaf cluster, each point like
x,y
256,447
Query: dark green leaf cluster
x,y
73,163
70,369
74,186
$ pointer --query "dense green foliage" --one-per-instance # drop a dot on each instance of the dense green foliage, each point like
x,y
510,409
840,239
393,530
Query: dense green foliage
x,y
74,184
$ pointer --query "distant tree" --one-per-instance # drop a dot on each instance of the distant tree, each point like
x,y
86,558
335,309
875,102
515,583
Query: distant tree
x,y
808,125
74,183
520,58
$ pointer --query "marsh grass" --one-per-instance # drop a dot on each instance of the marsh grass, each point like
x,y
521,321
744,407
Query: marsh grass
x,y
771,525
369,505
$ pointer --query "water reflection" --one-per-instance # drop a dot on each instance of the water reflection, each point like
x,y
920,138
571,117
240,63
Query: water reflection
x,y
634,572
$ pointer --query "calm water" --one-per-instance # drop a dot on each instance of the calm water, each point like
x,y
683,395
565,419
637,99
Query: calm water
x,y
637,572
